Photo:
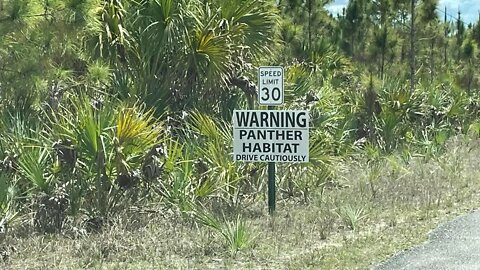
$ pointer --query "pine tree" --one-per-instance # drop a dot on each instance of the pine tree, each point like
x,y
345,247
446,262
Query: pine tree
x,y
431,31
412,45
476,31
459,35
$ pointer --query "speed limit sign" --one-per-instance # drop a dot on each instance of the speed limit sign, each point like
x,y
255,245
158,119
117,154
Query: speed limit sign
x,y
270,90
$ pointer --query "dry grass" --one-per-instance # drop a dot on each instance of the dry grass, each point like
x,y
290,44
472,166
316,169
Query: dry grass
x,y
361,221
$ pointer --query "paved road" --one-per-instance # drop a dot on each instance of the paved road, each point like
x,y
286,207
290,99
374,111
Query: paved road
x,y
453,245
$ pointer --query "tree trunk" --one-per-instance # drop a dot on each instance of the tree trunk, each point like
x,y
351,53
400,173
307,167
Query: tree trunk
x,y
382,65
310,22
470,76
459,37
352,40
412,47
446,38
384,50
432,59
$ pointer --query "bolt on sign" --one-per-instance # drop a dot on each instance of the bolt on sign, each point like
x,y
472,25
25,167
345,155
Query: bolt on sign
x,y
270,86
271,136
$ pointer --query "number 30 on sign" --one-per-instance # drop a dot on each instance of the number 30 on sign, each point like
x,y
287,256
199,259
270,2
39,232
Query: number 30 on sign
x,y
270,86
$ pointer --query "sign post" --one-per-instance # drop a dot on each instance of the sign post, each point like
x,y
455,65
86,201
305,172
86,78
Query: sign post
x,y
271,183
271,93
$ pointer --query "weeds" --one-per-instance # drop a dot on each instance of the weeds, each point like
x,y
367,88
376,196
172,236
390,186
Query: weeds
x,y
373,176
236,234
335,231
352,215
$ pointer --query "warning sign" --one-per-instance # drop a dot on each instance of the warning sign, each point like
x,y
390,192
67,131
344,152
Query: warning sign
x,y
270,136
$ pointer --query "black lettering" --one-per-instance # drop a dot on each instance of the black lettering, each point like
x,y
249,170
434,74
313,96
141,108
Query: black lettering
x,y
290,121
266,96
243,132
295,147
266,148
279,148
270,134
276,94
252,134
287,148
274,119
298,135
280,135
301,119
253,120
242,118
270,81
261,134
289,136
264,119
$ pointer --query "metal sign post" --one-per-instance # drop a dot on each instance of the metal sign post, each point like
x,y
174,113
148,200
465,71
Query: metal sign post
x,y
272,191
271,94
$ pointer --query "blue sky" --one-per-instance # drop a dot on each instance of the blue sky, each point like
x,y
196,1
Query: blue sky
x,y
468,8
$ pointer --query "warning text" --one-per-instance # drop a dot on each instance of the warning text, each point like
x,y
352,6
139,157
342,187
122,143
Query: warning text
x,y
271,136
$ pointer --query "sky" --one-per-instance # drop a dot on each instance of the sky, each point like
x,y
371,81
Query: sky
x,y
469,8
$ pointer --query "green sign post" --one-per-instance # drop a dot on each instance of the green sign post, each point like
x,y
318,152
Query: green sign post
x,y
271,183
270,86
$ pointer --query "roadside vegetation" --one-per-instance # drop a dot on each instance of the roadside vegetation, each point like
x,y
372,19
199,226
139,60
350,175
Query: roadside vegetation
x,y
116,136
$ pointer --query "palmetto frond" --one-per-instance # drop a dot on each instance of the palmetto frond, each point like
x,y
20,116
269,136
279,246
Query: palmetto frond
x,y
210,58
33,165
214,147
135,127
136,134
251,25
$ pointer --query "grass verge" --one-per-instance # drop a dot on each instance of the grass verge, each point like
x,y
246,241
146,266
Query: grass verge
x,y
363,218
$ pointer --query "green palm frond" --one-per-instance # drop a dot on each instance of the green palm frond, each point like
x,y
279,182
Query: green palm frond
x,y
135,127
215,147
236,234
7,193
301,82
211,56
33,165
206,126
251,24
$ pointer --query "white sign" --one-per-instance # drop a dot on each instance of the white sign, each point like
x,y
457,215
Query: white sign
x,y
270,89
270,136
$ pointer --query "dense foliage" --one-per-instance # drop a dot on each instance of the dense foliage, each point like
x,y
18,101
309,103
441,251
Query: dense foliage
x,y
107,104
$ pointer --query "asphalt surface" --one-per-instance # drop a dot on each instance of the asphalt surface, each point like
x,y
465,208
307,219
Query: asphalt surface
x,y
453,245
